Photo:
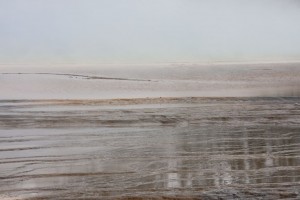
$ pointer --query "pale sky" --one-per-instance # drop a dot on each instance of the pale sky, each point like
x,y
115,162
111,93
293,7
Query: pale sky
x,y
148,31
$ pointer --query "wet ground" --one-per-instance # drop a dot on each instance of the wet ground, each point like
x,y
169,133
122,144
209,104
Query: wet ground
x,y
162,148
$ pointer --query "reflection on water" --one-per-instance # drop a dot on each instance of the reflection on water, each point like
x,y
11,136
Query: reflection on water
x,y
198,147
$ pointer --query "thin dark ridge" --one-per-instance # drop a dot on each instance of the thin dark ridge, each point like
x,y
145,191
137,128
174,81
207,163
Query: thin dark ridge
x,y
79,75
157,98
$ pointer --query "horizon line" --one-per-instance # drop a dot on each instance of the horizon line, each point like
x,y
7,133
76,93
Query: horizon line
x,y
161,63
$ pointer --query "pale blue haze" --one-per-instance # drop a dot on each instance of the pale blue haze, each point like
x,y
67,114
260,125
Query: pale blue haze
x,y
148,31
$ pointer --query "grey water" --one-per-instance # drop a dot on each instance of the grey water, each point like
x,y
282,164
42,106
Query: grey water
x,y
153,148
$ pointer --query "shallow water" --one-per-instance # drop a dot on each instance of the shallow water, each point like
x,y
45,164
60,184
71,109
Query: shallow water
x,y
201,148
111,82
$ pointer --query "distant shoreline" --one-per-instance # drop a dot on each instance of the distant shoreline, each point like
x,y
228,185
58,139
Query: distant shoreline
x,y
58,82
134,101
205,63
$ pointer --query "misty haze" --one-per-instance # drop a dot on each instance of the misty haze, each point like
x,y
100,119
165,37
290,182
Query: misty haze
x,y
140,99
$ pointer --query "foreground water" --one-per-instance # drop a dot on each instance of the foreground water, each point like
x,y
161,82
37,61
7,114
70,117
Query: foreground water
x,y
197,148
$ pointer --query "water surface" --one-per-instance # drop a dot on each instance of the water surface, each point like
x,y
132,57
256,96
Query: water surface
x,y
198,148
